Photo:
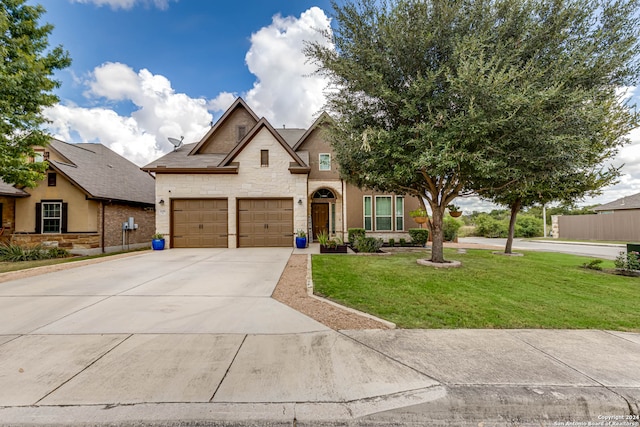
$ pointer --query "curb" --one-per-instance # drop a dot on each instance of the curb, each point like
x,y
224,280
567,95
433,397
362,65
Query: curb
x,y
310,293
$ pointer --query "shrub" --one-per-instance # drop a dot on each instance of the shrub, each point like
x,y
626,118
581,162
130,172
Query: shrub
x,y
594,264
528,226
354,233
487,226
628,261
367,244
392,242
403,242
14,253
419,236
450,228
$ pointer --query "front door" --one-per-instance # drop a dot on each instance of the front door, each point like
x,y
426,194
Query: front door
x,y
319,218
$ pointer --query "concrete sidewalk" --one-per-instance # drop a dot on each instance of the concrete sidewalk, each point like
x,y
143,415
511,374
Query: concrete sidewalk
x,y
193,338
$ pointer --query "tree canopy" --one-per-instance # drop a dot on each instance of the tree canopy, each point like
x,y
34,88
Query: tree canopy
x,y
440,98
26,84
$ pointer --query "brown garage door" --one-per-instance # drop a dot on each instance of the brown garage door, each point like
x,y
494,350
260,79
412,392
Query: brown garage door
x,y
265,222
199,223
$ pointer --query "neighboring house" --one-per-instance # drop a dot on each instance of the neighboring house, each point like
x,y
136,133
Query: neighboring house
x,y
617,220
8,196
88,193
247,184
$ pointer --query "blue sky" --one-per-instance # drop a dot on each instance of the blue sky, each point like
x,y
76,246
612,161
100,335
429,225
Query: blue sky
x,y
145,70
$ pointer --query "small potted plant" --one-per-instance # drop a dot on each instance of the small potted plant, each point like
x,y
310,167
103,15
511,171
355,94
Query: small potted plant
x,y
157,242
454,211
301,239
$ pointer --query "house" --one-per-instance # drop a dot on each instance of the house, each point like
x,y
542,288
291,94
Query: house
x,y
89,192
247,184
8,196
617,220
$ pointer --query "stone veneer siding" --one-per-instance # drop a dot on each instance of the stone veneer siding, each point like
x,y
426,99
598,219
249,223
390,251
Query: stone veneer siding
x,y
251,181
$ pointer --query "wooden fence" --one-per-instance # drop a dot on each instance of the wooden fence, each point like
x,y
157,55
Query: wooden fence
x,y
622,225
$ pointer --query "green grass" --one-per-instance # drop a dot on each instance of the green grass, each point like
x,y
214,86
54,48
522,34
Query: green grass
x,y
24,265
538,290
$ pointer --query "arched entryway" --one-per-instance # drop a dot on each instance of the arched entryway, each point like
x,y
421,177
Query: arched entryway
x,y
323,208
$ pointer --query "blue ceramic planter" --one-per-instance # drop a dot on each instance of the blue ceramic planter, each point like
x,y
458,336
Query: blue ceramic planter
x,y
157,244
301,242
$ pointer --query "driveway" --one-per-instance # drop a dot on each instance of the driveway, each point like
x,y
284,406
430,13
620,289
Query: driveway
x,y
181,327
177,291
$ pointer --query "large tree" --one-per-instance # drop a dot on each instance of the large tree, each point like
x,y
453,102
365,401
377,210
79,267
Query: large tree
x,y
26,84
431,97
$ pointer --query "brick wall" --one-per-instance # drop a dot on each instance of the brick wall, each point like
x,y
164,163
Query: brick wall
x,y
117,213
8,217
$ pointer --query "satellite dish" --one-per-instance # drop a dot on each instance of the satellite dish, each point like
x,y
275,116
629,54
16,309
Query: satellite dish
x,y
176,142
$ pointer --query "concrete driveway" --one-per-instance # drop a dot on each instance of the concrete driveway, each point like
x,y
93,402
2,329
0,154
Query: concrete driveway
x,y
181,327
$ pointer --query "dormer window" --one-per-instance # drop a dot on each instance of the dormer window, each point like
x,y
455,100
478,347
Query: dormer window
x,y
242,131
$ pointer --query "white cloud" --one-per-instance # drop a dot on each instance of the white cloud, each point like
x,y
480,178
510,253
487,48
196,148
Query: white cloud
x,y
127,4
142,136
286,90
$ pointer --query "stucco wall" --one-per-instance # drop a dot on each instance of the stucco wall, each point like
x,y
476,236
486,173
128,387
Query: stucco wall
x,y
225,137
252,180
355,215
316,144
82,214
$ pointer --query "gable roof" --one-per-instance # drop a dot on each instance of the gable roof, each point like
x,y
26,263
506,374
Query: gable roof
x,y
628,202
239,102
180,161
103,174
11,191
299,166
324,117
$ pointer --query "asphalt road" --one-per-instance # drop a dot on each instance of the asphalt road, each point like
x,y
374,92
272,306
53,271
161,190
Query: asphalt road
x,y
597,250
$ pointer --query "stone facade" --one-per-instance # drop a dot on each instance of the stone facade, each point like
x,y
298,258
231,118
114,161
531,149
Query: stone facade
x,y
251,181
71,242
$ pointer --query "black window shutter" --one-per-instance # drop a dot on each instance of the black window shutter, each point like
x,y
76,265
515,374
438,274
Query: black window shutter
x,y
38,218
64,217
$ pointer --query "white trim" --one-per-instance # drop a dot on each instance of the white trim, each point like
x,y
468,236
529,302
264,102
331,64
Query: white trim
x,y
320,163
398,215
364,212
42,218
390,216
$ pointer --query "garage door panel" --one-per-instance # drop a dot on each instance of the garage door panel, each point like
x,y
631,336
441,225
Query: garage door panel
x,y
265,223
199,223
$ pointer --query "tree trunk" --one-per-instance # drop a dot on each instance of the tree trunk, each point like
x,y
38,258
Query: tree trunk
x,y
515,208
437,235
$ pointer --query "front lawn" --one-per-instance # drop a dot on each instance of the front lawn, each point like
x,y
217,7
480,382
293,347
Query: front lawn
x,y
538,290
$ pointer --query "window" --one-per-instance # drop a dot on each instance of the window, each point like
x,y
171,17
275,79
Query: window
x,y
333,218
399,213
38,156
51,179
367,213
264,158
51,217
325,162
383,213
242,131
